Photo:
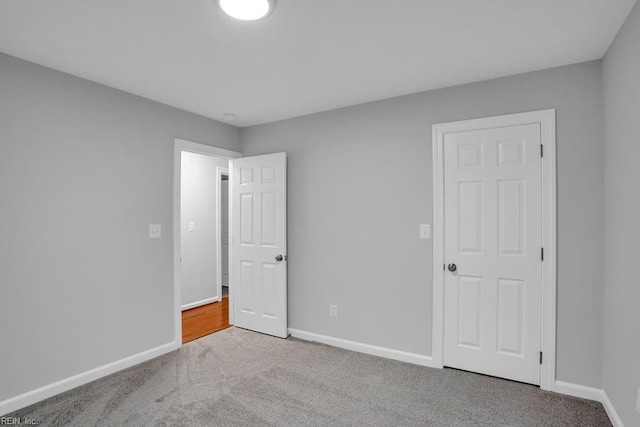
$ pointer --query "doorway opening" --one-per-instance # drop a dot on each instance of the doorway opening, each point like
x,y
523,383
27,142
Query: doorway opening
x,y
201,240
212,314
255,267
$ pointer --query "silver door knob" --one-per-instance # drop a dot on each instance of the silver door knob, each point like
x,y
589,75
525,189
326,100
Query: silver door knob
x,y
279,258
452,267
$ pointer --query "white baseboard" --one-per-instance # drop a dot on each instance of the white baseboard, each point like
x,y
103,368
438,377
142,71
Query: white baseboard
x,y
581,391
611,411
199,303
403,356
590,393
34,396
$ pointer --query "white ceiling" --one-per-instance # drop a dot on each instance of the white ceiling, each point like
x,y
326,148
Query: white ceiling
x,y
310,55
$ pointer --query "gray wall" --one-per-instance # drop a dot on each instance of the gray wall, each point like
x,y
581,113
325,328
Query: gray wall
x,y
84,169
622,210
360,183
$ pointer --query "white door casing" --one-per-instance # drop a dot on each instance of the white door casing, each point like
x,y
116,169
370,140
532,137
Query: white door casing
x,y
487,315
259,242
493,235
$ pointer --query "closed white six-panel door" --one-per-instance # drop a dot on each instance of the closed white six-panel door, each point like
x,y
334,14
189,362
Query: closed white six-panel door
x,y
493,235
260,243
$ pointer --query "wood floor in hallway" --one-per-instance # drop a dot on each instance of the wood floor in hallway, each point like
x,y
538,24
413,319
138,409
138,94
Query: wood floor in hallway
x,y
205,320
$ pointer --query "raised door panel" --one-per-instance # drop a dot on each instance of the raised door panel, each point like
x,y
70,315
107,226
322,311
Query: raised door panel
x,y
269,219
270,290
511,152
247,287
511,230
470,217
246,219
469,311
511,316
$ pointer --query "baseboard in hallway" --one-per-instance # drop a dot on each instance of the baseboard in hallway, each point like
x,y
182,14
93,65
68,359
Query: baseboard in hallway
x,y
204,320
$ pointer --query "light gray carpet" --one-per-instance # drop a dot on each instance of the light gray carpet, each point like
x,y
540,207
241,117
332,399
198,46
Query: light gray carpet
x,y
237,377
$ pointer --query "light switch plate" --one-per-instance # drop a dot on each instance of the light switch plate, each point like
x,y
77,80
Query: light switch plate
x,y
155,231
333,310
192,226
425,231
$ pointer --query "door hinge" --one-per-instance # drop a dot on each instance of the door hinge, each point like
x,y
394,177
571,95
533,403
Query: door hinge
x,y
542,254
541,150
541,358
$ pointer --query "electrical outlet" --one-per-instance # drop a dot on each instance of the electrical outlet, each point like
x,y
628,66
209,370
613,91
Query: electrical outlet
x,y
638,402
155,231
425,231
192,227
333,310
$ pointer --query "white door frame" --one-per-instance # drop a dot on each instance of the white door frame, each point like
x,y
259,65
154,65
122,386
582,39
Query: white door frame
x,y
181,145
547,120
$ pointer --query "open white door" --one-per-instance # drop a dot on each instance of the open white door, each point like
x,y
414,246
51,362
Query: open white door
x,y
259,212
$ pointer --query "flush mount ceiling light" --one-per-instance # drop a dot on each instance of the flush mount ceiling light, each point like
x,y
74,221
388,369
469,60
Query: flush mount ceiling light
x,y
247,10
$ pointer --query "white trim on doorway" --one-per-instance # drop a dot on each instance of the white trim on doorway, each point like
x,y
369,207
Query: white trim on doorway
x,y
547,120
208,150
181,145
